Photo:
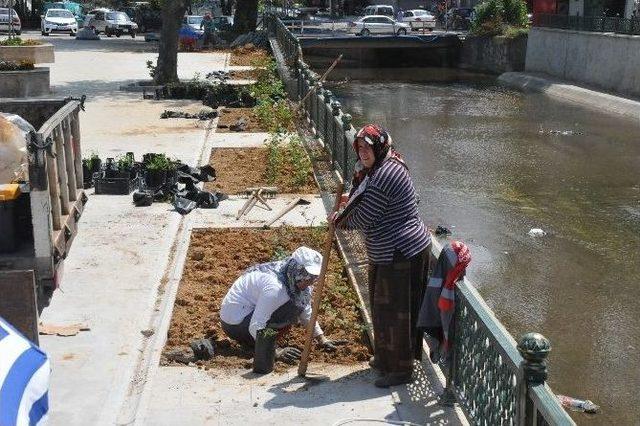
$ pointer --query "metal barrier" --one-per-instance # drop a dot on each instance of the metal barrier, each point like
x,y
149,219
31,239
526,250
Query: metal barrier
x,y
589,23
495,380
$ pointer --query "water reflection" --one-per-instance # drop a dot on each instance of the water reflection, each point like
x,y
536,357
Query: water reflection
x,y
492,164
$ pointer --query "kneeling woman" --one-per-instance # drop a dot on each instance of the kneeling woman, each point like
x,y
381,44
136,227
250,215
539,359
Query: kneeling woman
x,y
274,295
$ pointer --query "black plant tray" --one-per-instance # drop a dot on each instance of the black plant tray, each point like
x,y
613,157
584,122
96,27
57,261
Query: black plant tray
x,y
116,186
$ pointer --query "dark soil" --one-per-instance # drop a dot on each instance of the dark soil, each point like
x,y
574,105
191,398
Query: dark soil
x,y
230,117
240,168
217,257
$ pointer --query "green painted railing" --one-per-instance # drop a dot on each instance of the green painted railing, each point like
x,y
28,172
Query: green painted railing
x,y
495,380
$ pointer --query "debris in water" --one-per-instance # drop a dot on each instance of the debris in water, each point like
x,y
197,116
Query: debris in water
x,y
558,132
578,404
536,232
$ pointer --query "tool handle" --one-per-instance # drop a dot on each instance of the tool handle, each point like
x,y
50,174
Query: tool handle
x,y
317,293
282,212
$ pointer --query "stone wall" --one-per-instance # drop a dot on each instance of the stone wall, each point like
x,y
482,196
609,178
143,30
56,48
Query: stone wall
x,y
603,60
493,54
23,84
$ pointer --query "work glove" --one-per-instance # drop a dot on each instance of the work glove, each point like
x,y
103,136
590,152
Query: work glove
x,y
289,354
332,345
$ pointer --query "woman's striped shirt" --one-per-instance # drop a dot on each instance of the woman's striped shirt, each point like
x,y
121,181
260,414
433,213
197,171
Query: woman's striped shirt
x,y
388,215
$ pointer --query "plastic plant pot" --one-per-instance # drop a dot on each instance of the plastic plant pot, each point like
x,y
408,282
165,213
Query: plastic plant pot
x,y
265,351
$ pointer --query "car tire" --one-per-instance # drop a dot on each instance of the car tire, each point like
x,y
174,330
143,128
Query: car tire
x,y
402,31
118,34
72,34
44,33
365,33
132,34
19,32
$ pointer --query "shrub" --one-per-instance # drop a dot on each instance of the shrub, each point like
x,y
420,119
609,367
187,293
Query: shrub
x,y
496,17
17,41
16,66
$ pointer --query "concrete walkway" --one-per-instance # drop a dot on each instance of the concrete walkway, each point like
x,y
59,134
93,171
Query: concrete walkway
x,y
123,272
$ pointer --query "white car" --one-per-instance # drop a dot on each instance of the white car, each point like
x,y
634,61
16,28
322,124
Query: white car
x,y
379,9
6,17
419,19
111,23
193,21
58,20
377,24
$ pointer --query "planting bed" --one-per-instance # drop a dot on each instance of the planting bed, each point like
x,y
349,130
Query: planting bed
x,y
241,168
230,117
246,74
216,257
248,55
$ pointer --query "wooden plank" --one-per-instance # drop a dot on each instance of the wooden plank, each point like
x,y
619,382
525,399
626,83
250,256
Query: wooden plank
x,y
62,170
69,160
54,192
41,220
18,303
77,151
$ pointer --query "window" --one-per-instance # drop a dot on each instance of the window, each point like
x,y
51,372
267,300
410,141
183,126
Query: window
x,y
408,14
59,14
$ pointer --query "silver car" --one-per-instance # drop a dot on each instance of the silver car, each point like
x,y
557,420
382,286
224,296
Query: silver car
x,y
111,23
377,24
9,17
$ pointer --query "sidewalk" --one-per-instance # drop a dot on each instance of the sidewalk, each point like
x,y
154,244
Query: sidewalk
x,y
123,272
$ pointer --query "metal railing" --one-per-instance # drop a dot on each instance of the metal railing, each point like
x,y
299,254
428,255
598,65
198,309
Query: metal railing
x,y
589,23
494,380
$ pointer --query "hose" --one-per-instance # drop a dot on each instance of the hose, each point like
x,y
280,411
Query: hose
x,y
358,419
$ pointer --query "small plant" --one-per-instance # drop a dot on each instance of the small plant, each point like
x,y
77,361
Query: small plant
x,y
160,162
152,69
268,333
300,162
124,163
17,41
275,157
16,66
93,161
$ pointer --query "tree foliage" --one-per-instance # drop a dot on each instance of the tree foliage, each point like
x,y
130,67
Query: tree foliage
x,y
495,17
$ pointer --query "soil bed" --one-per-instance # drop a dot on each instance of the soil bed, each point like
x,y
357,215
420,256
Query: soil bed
x,y
240,168
230,117
248,56
216,257
246,74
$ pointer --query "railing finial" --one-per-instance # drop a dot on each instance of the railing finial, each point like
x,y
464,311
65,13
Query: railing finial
x,y
534,348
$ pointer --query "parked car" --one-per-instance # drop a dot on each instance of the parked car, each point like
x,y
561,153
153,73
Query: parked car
x,y
58,20
379,9
193,21
111,23
459,18
419,19
7,16
73,7
379,24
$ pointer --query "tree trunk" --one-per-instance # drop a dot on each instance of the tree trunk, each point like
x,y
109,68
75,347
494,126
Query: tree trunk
x,y
246,16
167,66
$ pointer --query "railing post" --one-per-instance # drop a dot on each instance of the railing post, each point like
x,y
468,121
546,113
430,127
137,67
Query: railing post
x,y
448,396
346,126
534,348
335,111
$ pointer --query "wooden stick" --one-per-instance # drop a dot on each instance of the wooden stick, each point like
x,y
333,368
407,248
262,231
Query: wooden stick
x,y
286,209
317,292
324,76
246,204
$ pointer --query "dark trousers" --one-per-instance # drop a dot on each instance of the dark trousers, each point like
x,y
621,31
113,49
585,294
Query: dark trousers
x,y
395,292
282,317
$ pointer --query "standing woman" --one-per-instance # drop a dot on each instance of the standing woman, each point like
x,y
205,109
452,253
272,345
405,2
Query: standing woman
x,y
383,205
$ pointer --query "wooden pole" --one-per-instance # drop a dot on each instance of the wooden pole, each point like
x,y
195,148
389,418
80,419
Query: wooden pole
x,y
324,76
317,293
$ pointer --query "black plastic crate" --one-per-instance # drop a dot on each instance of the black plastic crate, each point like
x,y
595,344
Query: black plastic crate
x,y
116,185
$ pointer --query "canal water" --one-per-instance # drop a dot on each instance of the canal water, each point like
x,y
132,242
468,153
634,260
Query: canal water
x,y
491,164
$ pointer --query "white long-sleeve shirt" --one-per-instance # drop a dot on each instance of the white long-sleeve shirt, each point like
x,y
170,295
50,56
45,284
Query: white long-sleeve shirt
x,y
261,293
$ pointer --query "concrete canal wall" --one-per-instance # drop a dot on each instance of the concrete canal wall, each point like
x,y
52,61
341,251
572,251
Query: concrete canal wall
x,y
493,54
604,60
